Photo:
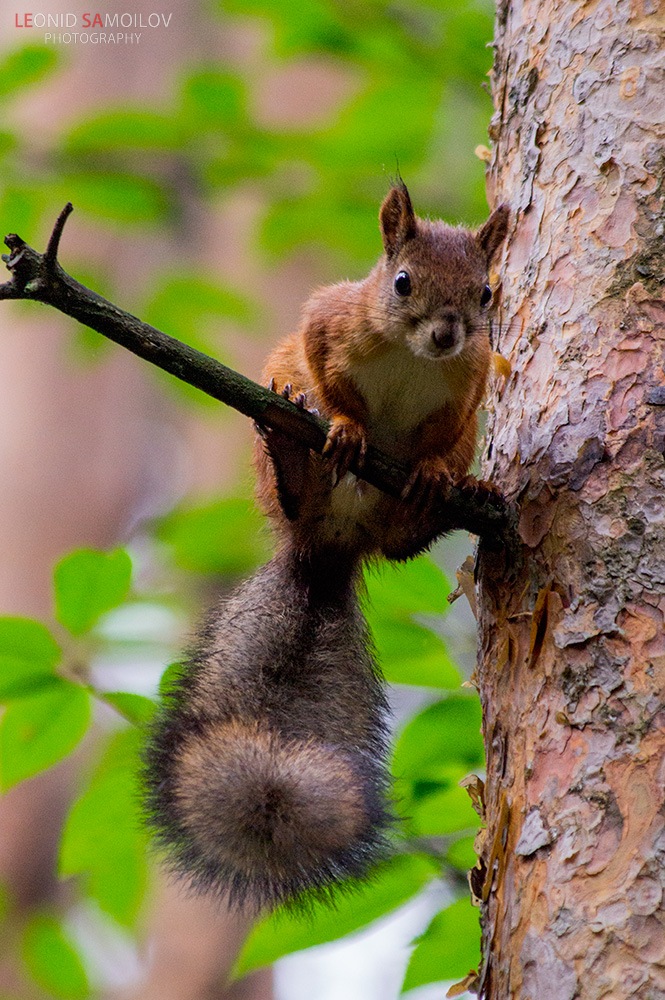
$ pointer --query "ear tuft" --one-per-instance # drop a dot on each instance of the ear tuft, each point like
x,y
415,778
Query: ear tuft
x,y
397,219
493,233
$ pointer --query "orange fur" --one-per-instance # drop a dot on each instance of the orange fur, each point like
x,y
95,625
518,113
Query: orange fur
x,y
403,373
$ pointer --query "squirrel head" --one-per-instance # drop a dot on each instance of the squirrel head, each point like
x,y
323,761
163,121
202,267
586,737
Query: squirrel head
x,y
432,282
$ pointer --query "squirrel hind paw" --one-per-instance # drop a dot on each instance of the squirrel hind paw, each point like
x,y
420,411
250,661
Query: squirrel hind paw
x,y
290,462
267,819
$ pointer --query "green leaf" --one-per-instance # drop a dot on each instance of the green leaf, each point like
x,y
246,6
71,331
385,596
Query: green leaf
x,y
28,639
314,25
468,35
213,99
22,206
40,729
364,133
88,583
8,142
226,537
5,904
284,932
104,839
125,128
408,652
243,156
412,654
416,587
339,226
183,300
461,853
25,66
52,960
136,708
434,752
127,198
449,948
447,732
445,811
28,656
369,34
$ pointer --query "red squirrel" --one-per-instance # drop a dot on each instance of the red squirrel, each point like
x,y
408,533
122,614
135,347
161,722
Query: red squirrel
x,y
265,770
400,361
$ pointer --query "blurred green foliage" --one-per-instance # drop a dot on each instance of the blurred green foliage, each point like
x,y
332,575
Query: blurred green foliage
x,y
414,102
450,942
223,536
104,840
409,653
395,883
52,960
88,583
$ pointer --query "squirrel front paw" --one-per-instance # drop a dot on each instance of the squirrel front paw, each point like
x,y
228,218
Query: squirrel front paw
x,y
346,445
428,484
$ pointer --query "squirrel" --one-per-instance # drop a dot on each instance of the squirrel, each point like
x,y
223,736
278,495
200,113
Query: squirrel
x,y
399,361
265,768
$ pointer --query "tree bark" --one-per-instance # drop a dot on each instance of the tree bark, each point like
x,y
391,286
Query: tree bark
x,y
572,654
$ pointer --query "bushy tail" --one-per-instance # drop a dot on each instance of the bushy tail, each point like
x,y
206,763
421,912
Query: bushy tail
x,y
265,771
264,818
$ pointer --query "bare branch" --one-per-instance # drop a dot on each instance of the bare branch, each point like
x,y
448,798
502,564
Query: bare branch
x,y
40,277
51,254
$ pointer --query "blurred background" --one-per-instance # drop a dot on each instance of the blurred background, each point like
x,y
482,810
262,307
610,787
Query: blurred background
x,y
221,166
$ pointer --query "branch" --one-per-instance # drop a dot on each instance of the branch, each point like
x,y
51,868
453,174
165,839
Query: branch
x,y
41,278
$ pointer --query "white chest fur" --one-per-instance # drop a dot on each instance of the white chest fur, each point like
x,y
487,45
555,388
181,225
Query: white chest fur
x,y
400,390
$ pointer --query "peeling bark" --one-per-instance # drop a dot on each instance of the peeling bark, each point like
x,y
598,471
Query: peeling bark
x,y
572,660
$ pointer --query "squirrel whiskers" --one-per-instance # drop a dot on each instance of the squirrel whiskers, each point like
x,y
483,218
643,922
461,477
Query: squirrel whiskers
x,y
266,765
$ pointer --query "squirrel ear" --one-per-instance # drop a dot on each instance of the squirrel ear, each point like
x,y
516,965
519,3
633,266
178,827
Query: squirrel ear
x,y
397,219
493,233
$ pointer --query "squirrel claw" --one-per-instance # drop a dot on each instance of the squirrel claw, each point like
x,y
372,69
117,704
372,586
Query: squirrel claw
x,y
346,446
428,483
299,400
487,491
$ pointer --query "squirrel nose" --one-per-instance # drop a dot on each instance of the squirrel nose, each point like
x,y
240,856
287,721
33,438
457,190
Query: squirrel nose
x,y
443,334
443,337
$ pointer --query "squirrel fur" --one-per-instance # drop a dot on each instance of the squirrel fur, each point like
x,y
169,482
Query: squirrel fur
x,y
403,370
265,770
266,773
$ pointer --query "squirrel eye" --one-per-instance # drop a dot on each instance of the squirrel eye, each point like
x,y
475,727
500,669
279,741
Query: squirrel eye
x,y
486,296
403,283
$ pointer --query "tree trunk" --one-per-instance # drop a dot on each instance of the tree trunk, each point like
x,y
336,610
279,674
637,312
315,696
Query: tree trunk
x,y
572,662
